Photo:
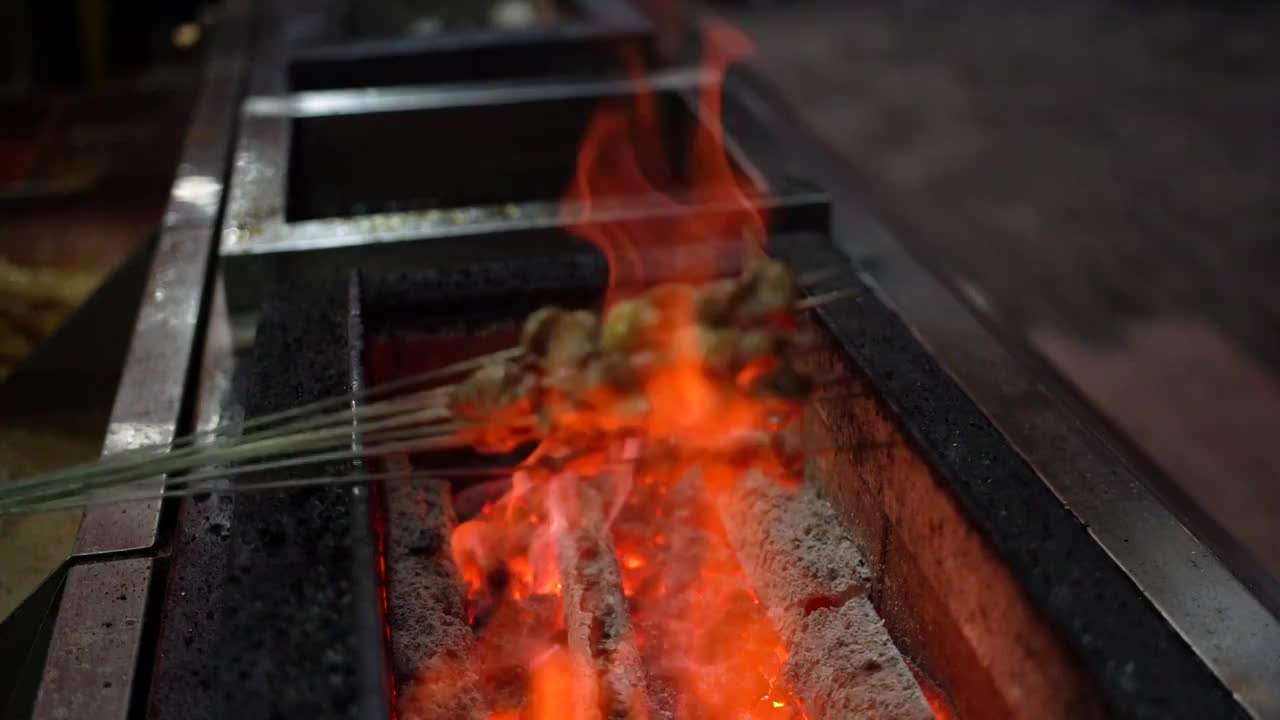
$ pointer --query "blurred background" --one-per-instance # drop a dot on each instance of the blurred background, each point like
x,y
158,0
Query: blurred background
x,y
1099,181
94,100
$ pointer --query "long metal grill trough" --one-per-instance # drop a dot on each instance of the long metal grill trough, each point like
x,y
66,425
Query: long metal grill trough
x,y
874,565
914,566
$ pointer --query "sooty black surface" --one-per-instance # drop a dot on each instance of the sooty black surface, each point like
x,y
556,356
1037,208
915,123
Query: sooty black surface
x,y
1142,667
467,296
285,647
182,679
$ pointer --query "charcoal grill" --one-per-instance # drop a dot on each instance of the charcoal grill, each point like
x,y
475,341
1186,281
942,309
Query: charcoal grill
x,y
999,571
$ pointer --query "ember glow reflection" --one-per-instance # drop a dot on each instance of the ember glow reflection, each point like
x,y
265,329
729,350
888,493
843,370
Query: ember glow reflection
x,y
603,582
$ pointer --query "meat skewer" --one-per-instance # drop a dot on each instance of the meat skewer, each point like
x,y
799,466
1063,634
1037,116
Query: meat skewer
x,y
582,376
307,428
576,378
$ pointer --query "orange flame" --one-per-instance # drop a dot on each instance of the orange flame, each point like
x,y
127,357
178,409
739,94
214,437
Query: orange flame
x,y
704,631
696,621
623,158
558,690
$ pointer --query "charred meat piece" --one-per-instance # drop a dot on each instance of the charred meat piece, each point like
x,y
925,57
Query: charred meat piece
x,y
580,374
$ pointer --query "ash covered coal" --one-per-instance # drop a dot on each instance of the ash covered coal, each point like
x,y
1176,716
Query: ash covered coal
x,y
596,612
844,665
426,604
809,573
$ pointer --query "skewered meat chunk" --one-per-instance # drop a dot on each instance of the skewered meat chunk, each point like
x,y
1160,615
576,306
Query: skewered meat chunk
x,y
496,402
628,325
554,336
492,389
538,328
755,344
716,302
729,350
581,375
719,348
764,290
768,290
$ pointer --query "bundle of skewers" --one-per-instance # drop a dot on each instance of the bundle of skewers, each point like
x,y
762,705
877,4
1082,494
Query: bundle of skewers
x,y
577,380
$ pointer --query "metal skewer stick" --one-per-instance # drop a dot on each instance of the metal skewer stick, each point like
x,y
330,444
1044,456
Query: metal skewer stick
x,y
79,497
216,455
341,404
816,301
241,488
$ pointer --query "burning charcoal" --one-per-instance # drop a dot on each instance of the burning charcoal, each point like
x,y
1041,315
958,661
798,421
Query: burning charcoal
x,y
808,572
795,539
595,609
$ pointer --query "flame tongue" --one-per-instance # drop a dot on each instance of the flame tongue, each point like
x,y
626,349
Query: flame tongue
x,y
696,221
698,629
704,631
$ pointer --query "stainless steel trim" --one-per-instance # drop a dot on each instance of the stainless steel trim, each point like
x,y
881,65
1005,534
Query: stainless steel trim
x,y
217,367
1231,630
150,397
319,103
427,224
258,244
255,204
256,195
153,386
93,655
196,195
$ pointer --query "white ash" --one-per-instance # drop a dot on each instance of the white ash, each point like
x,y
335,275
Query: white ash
x,y
809,573
843,665
795,539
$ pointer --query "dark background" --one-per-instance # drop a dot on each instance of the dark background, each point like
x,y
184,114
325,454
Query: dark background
x,y
1099,180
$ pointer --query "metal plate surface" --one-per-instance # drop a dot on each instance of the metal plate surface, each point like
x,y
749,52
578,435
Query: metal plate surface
x,y
97,638
150,397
